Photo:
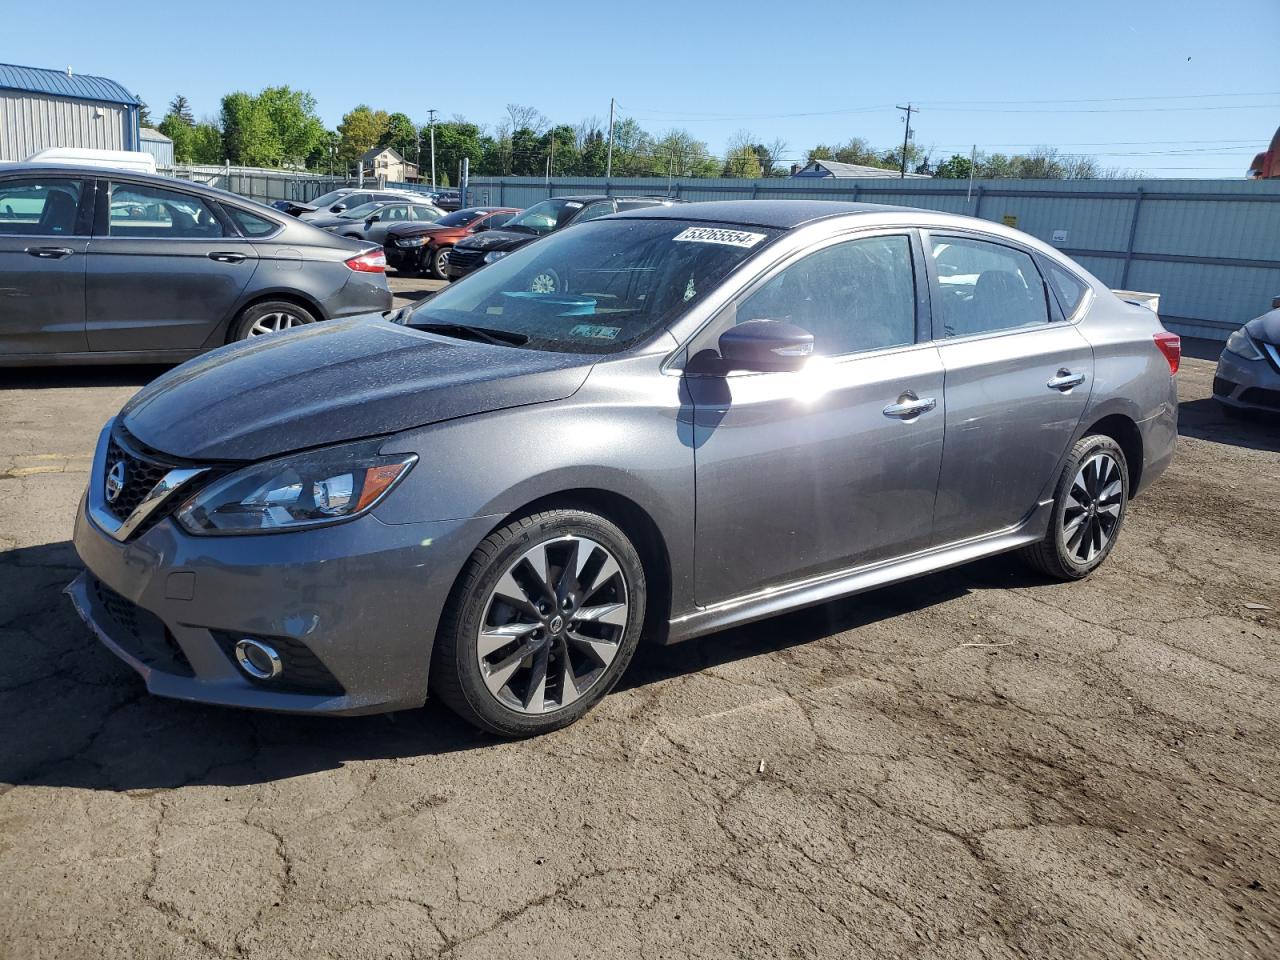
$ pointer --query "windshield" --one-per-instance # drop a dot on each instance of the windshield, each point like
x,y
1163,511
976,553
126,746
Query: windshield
x,y
460,218
545,216
364,210
598,288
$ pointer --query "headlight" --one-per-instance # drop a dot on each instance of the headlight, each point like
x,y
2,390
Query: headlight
x,y
304,490
1242,345
411,242
495,255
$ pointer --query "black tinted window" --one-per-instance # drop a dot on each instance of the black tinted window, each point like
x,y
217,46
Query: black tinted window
x,y
984,287
1068,288
250,224
145,211
43,207
853,296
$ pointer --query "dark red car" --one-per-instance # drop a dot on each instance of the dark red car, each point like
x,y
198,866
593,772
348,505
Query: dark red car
x,y
424,247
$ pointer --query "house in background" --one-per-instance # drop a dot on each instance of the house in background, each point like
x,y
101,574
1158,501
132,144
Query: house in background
x,y
42,108
158,145
385,164
834,168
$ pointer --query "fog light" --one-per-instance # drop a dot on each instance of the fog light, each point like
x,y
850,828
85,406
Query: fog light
x,y
258,660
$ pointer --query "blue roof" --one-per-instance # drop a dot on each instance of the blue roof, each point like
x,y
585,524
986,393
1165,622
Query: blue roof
x,y
56,83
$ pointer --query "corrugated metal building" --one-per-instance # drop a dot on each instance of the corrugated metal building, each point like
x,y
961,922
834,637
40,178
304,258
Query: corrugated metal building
x,y
57,108
158,145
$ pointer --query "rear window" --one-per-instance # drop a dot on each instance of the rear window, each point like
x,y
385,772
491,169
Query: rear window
x,y
250,224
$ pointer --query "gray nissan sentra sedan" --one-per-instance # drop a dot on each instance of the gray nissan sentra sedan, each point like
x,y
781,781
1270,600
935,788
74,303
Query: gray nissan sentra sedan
x,y
666,422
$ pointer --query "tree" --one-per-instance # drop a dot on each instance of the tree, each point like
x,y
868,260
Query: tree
x,y
361,129
247,132
180,132
295,130
455,140
181,108
741,159
678,153
560,145
401,136
144,113
770,156
954,167
206,143
518,115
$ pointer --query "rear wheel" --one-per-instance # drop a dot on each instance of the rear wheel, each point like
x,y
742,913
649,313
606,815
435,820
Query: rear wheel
x,y
271,316
544,620
439,260
1088,511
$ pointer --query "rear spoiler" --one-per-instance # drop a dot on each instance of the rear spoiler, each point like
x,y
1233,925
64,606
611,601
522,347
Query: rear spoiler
x,y
1149,300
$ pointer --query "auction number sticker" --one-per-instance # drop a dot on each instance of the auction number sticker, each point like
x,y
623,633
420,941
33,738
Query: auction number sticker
x,y
595,331
730,238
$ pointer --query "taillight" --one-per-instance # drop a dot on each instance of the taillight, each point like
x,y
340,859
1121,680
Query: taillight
x,y
1170,345
375,261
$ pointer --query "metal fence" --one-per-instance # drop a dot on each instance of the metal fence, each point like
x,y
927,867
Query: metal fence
x,y
1210,248
258,183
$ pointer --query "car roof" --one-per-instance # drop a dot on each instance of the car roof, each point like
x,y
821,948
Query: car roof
x,y
111,173
780,214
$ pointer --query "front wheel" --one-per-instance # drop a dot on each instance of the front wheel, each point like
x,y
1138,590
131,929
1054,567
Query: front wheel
x,y
439,260
1088,511
543,621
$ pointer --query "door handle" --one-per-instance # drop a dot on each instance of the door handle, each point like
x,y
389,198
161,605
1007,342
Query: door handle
x,y
1065,380
227,257
909,406
50,253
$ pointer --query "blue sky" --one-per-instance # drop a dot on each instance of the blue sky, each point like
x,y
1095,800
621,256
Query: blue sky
x,y
1173,88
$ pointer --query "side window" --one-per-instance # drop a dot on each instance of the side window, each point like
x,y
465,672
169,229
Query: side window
x,y
1067,287
143,211
392,214
852,296
43,207
425,213
353,200
250,224
984,287
497,220
601,208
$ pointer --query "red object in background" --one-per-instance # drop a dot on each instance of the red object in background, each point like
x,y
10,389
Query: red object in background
x,y
1266,166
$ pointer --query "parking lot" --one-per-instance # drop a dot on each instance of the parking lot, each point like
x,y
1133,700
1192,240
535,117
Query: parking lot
x,y
975,764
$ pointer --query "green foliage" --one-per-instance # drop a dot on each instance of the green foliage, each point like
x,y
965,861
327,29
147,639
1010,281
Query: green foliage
x,y
402,136
181,108
454,140
144,113
277,127
954,167
206,143
361,129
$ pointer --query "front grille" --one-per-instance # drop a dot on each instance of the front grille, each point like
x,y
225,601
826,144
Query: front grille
x,y
1262,397
140,632
1222,387
140,477
462,260
302,670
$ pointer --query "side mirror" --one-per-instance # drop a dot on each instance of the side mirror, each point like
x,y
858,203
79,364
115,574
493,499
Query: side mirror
x,y
766,346
374,218
479,228
337,208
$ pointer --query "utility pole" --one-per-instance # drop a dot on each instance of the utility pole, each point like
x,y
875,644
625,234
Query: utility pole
x,y
906,139
973,166
431,115
608,165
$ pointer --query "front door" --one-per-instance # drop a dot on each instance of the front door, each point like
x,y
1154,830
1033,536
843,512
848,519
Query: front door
x,y
798,474
164,271
1018,381
42,264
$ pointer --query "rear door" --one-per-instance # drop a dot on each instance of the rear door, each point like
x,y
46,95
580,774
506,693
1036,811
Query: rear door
x,y
44,231
1018,378
165,269
799,474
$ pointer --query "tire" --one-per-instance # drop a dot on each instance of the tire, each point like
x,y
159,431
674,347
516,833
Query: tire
x,y
1088,512
468,671
435,266
270,316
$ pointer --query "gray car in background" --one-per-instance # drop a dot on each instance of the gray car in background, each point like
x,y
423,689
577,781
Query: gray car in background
x,y
102,265
1248,376
669,421
372,220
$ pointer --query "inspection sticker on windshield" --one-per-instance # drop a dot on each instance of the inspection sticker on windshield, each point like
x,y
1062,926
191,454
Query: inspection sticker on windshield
x,y
595,331
730,238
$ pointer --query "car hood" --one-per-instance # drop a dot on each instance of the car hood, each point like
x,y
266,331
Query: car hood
x,y
1265,328
498,240
418,229
334,381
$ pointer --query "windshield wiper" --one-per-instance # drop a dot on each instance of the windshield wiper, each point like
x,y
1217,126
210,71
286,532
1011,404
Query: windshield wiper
x,y
501,338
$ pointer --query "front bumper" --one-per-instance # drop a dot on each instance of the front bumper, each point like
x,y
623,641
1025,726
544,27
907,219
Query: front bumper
x,y
1248,384
354,606
404,258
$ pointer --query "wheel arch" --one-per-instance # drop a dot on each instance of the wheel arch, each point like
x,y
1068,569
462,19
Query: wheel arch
x,y
641,529
1123,429
296,297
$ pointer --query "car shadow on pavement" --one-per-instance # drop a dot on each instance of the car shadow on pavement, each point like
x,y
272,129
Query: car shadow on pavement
x,y
1205,419
75,716
43,378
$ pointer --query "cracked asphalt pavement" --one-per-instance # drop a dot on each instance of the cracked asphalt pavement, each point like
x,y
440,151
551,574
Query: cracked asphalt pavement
x,y
975,764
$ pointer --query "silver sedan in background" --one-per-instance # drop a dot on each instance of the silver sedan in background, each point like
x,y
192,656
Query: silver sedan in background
x,y
664,422
1248,375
